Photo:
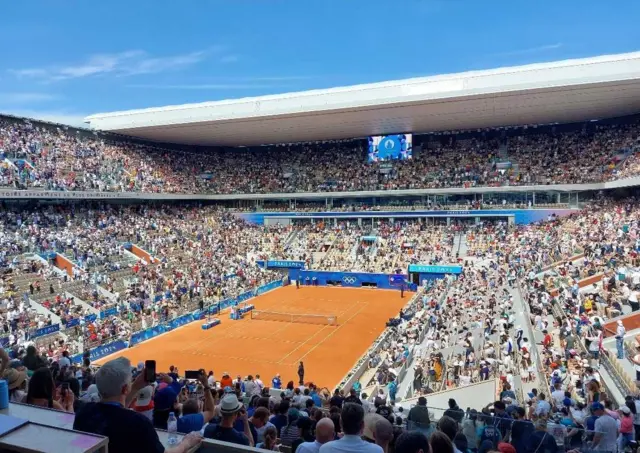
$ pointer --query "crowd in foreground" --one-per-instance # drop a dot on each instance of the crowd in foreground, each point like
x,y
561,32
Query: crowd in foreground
x,y
126,404
34,155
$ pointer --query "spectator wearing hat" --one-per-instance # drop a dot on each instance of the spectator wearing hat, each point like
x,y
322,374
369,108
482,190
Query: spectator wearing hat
x,y
16,381
620,332
144,402
606,430
231,410
352,419
505,447
626,428
126,429
325,432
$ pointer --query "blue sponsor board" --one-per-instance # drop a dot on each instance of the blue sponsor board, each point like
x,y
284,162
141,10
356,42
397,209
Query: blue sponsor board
x,y
108,312
350,279
48,330
284,264
72,323
397,280
429,269
91,318
4,341
521,216
102,351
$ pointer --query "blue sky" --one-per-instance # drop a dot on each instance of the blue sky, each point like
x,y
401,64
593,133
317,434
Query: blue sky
x,y
62,61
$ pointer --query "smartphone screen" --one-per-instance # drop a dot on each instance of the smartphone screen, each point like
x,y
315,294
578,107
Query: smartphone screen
x,y
191,374
150,370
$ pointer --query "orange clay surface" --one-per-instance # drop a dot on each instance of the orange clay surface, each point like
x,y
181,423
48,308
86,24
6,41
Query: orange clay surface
x,y
251,346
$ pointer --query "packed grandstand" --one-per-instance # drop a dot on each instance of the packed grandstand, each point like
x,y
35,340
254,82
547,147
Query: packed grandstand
x,y
500,344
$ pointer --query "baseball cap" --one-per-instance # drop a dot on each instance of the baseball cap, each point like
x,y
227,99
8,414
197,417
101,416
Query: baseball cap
x,y
293,414
504,447
597,406
144,396
625,410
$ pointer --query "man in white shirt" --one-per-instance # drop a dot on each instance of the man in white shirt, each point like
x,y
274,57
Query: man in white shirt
x,y
259,382
558,394
325,432
606,430
64,360
620,331
352,417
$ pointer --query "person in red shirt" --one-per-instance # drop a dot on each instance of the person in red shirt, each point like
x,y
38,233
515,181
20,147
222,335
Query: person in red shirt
x,y
546,341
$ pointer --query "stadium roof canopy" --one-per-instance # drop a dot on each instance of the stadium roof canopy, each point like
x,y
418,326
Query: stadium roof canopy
x,y
561,92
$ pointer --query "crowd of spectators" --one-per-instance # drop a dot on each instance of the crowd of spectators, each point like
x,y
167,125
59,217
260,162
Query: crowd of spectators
x,y
38,156
467,326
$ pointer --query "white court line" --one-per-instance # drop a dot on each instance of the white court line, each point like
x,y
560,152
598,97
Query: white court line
x,y
334,331
315,334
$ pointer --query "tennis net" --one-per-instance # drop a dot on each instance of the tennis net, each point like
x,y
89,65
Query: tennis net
x,y
330,320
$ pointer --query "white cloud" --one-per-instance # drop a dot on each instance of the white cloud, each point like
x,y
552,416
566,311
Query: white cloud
x,y
26,98
161,64
62,117
128,63
529,50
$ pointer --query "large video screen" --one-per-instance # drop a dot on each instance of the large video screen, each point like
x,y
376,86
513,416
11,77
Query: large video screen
x,y
390,147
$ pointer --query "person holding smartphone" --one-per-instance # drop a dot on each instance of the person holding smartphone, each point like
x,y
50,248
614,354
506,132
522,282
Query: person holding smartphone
x,y
126,429
192,418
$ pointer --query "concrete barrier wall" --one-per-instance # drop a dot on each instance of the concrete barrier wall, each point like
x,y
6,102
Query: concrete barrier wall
x,y
142,254
61,262
581,283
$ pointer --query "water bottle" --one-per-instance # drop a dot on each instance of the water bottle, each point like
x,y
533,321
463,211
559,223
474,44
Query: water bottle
x,y
4,394
172,427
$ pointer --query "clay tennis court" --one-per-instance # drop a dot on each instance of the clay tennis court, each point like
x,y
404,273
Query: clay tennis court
x,y
251,346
